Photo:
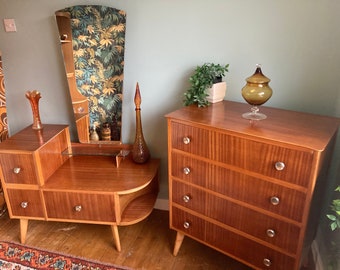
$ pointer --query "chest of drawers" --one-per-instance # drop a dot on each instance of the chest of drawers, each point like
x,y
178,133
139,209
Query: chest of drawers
x,y
248,189
44,179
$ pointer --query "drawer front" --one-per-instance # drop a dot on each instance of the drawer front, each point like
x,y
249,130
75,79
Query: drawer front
x,y
190,169
275,198
252,222
261,257
188,224
189,197
190,139
287,164
230,243
81,107
18,169
80,206
25,203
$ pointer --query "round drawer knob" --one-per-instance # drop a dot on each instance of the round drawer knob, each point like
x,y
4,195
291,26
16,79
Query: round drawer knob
x,y
24,204
279,166
267,262
80,109
186,140
186,225
186,198
78,208
186,170
16,170
270,233
274,200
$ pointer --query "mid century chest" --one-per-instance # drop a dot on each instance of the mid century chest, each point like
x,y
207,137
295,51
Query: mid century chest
x,y
251,190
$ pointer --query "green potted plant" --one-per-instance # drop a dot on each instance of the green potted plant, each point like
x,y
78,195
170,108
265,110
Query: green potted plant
x,y
203,78
334,217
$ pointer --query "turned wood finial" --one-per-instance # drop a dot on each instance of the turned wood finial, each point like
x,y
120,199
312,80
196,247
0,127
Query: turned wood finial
x,y
138,99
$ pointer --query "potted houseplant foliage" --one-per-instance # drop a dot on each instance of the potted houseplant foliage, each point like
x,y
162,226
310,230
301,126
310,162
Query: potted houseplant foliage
x,y
202,80
334,217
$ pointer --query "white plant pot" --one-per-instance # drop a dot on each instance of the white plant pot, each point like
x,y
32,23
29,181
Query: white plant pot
x,y
217,92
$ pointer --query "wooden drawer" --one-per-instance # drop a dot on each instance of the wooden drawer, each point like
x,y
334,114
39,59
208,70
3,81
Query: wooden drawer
x,y
262,158
246,154
255,223
188,196
190,169
25,203
80,206
188,224
229,242
251,190
252,252
190,139
18,168
81,106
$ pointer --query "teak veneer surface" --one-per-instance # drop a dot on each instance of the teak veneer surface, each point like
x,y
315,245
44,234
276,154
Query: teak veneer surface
x,y
250,189
280,126
44,179
28,140
99,173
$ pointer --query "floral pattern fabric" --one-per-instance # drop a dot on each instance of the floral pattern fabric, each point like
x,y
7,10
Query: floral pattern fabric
x,y
98,34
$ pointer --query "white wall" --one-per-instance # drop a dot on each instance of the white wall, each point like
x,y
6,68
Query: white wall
x,y
297,43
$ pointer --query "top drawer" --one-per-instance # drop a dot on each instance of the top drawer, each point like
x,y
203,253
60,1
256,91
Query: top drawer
x,y
287,164
18,168
190,139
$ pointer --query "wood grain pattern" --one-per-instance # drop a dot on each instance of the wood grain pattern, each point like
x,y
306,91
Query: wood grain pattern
x,y
44,179
145,245
297,129
246,188
34,207
241,187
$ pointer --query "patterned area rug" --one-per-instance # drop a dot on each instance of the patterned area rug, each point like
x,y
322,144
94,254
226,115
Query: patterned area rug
x,y
15,256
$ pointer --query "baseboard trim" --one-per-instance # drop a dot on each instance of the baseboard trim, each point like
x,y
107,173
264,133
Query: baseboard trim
x,y
317,256
162,204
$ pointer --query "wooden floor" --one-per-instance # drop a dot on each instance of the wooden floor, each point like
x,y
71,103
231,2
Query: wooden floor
x,y
147,245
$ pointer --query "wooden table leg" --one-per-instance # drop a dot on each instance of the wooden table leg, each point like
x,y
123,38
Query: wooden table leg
x,y
23,230
115,233
178,242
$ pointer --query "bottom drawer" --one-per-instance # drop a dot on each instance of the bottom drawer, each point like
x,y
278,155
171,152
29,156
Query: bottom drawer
x,y
80,206
25,203
230,243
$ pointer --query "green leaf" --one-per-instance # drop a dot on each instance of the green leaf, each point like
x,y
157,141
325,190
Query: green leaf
x,y
331,217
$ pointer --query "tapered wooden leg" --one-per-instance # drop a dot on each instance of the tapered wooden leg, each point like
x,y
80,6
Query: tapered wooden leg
x,y
115,233
23,230
178,242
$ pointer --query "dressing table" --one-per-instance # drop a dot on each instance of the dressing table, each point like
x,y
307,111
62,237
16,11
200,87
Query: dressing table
x,y
45,178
